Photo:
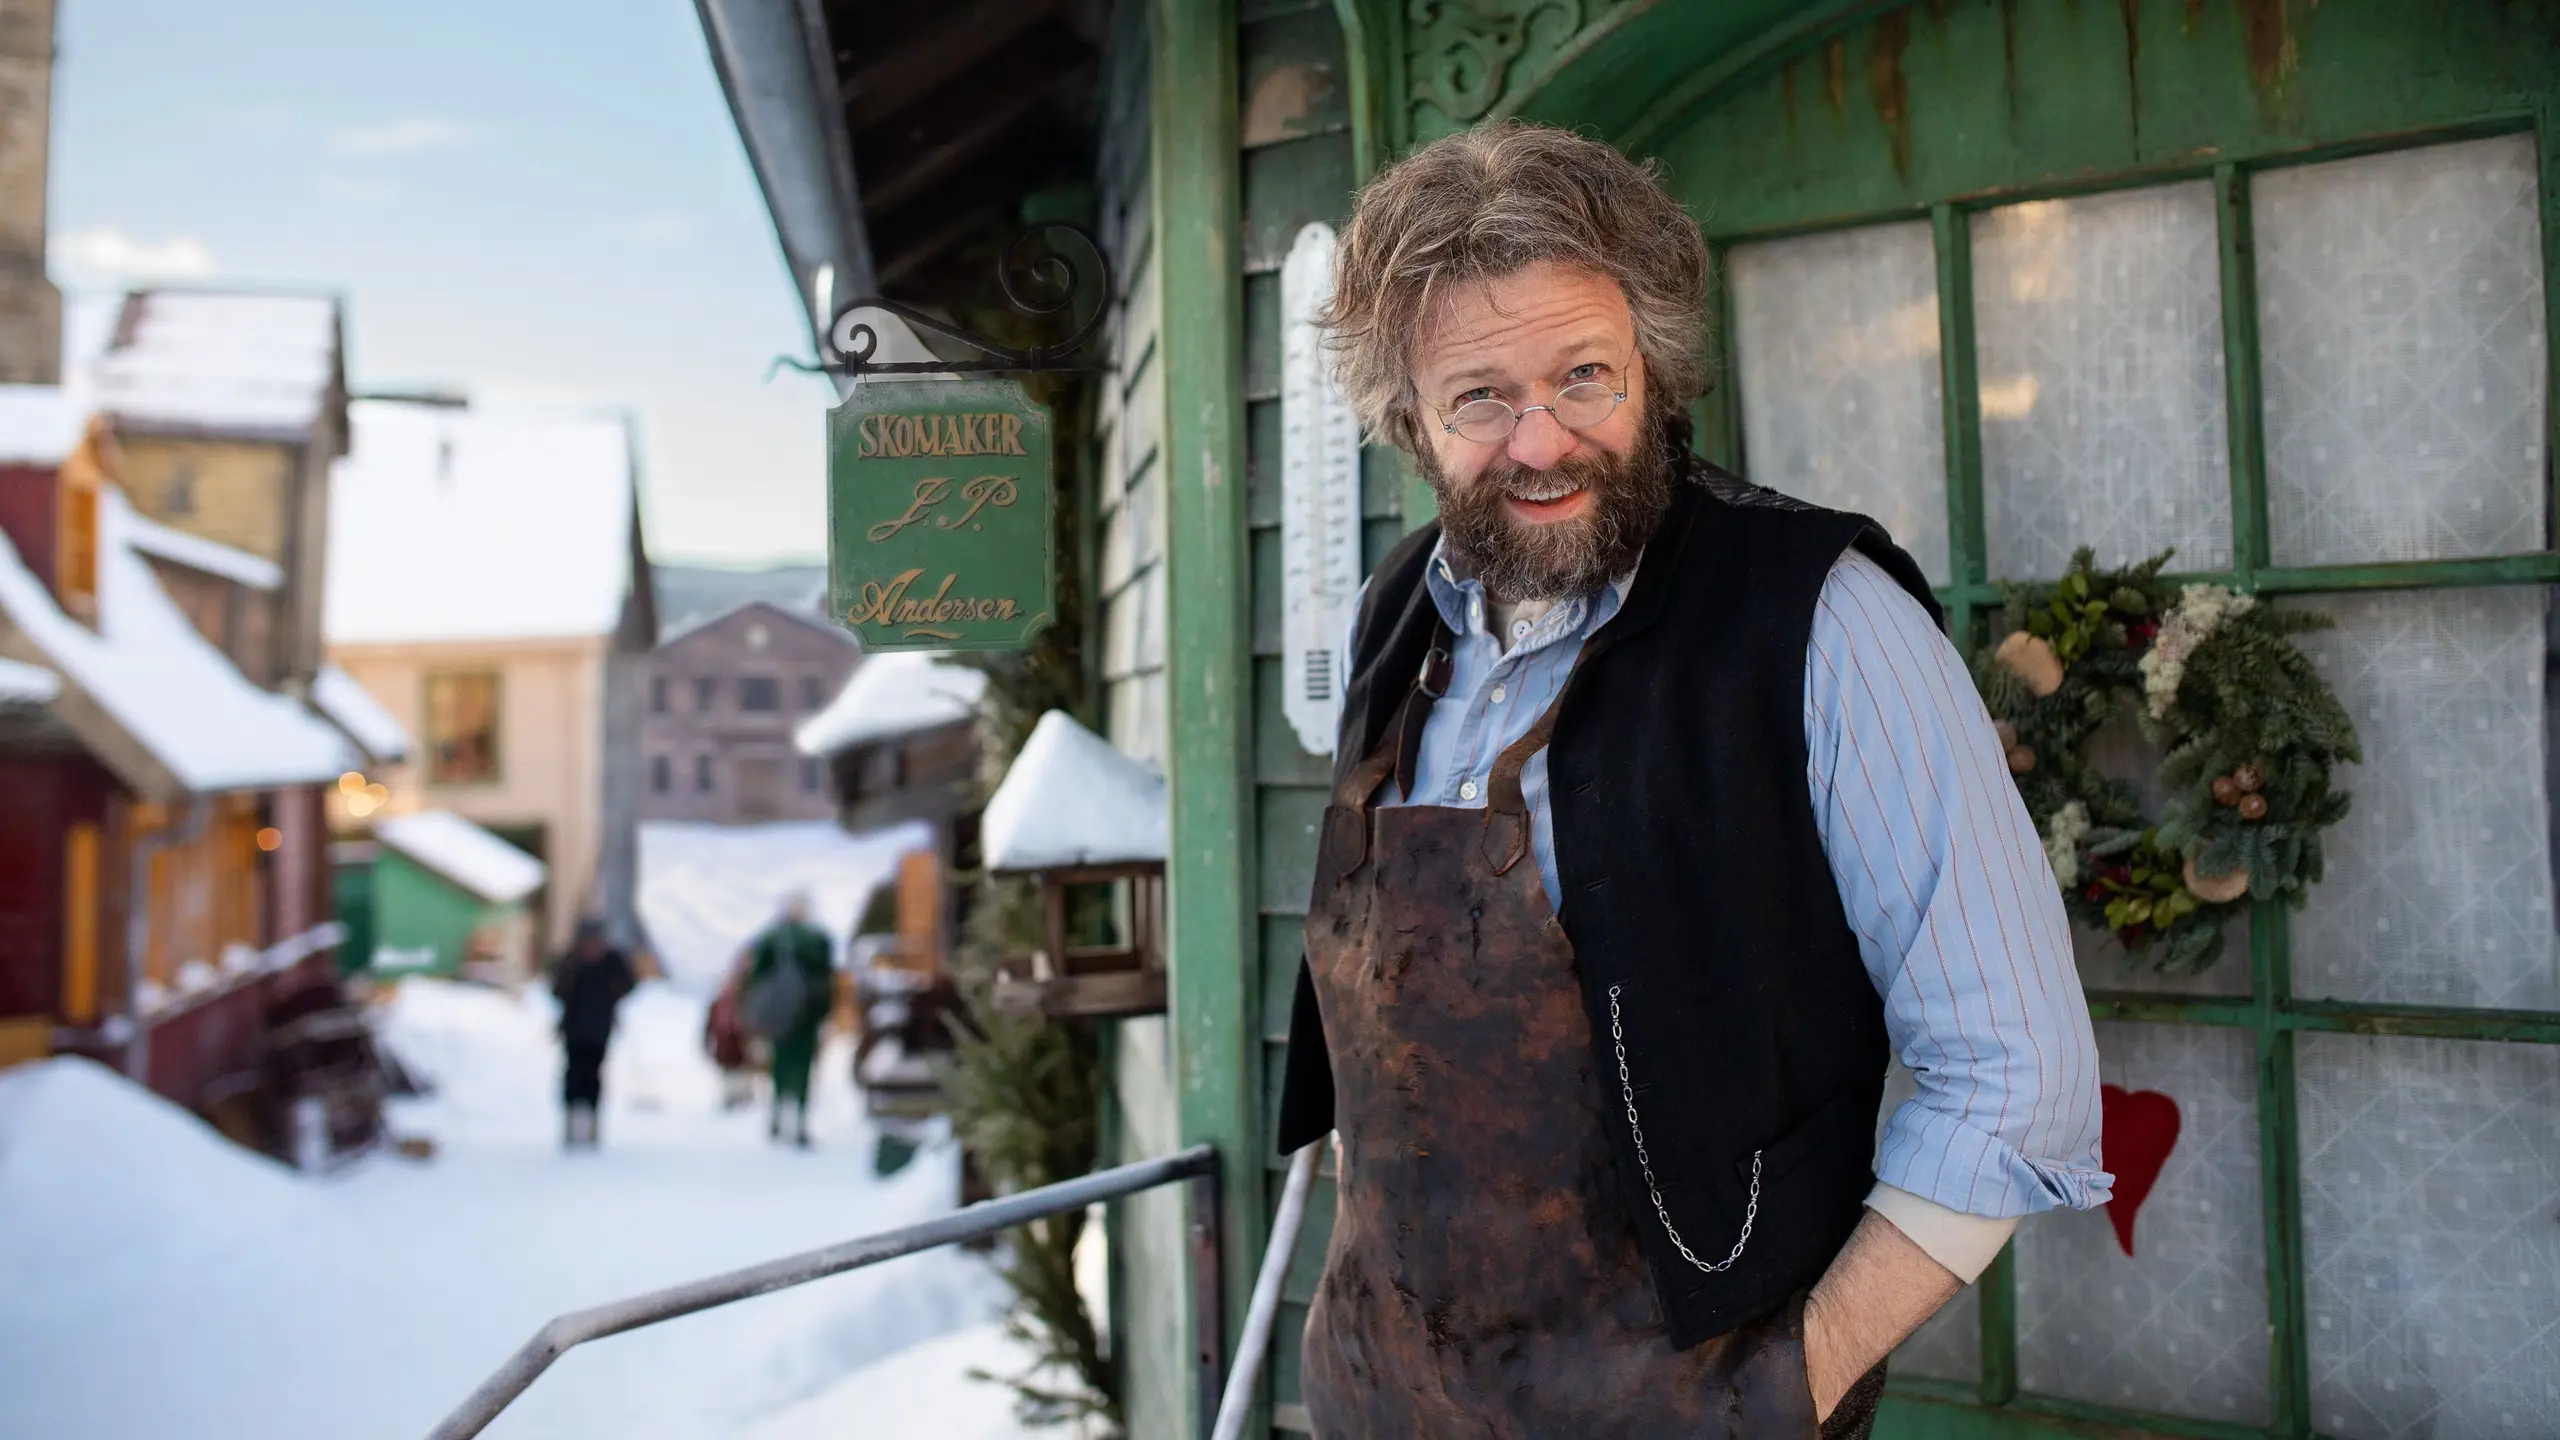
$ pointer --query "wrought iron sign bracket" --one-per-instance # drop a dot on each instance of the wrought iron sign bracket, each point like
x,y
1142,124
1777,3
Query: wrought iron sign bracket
x,y
850,342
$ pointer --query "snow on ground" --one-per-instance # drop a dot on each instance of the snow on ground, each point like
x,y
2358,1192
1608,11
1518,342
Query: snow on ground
x,y
155,1281
707,890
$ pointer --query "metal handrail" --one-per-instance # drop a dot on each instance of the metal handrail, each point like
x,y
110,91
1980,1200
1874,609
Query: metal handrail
x,y
970,1222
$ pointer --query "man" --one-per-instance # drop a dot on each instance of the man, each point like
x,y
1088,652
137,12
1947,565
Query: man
x,y
1663,812
590,983
790,987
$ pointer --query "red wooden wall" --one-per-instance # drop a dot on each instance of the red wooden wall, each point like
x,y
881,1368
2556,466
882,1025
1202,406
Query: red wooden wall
x,y
47,795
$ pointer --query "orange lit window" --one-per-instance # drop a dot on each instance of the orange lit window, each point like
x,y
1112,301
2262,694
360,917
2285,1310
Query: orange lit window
x,y
462,728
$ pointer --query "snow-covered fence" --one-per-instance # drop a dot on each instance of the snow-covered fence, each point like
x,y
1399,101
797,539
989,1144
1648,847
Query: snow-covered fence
x,y
1197,1165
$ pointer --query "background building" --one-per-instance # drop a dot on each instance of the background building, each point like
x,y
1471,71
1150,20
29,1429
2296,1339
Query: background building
x,y
489,591
722,698
30,306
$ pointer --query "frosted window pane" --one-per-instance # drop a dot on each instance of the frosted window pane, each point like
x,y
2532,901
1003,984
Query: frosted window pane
x,y
2401,326
1948,1346
2099,327
2181,1326
1837,339
2431,1232
2439,880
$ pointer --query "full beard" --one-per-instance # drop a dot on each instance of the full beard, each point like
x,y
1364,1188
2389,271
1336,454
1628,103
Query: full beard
x,y
1518,559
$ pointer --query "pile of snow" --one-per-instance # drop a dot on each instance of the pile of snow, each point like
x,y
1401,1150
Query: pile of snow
x,y
40,424
353,709
257,366
1071,799
150,670
110,1161
890,695
707,890
447,524
465,854
212,557
155,1282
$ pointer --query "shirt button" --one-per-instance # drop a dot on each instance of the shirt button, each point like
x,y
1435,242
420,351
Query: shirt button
x,y
1467,791
1498,693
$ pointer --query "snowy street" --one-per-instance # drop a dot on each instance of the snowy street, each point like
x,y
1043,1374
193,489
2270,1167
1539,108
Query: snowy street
x,y
156,1281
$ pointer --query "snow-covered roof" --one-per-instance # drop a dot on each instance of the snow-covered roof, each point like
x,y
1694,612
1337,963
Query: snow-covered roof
x,y
39,424
166,542
464,854
353,709
24,684
257,366
162,682
448,524
894,694
669,634
1070,799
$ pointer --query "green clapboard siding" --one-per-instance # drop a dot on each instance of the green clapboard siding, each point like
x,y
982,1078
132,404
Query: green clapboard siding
x,y
1292,173
415,908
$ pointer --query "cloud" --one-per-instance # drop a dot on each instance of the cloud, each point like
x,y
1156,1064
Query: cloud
x,y
399,137
106,253
362,189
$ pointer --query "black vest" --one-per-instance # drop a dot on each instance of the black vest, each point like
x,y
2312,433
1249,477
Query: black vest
x,y
1693,880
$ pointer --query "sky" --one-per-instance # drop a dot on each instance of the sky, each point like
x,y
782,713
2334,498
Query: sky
x,y
541,205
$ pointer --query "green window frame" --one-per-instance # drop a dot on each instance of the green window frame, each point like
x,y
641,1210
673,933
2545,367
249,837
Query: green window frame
x,y
2271,1014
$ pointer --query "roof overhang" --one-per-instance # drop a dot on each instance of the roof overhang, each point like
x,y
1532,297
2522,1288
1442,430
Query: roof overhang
x,y
779,76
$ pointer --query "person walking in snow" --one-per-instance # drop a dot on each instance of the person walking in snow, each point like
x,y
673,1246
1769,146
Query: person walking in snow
x,y
790,987
725,1040
590,983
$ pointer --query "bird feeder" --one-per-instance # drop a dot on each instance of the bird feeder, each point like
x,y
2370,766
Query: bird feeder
x,y
1088,823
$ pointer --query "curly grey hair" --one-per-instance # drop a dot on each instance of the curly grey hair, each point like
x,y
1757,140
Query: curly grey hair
x,y
1485,203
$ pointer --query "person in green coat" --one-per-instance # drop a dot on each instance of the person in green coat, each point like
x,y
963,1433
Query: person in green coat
x,y
790,987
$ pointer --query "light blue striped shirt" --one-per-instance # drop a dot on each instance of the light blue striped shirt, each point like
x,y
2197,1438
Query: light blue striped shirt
x,y
1939,868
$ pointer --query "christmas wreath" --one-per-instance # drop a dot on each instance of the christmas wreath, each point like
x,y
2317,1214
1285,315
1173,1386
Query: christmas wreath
x,y
2249,734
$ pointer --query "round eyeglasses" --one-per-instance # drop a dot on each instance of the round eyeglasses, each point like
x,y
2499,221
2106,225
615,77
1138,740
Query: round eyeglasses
x,y
1578,406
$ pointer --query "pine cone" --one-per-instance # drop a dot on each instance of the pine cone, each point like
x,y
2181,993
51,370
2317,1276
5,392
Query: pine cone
x,y
2226,791
2253,807
2250,779
2022,758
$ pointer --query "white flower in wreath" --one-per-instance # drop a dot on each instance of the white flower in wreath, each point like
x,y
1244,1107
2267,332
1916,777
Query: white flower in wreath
x,y
2201,610
2062,836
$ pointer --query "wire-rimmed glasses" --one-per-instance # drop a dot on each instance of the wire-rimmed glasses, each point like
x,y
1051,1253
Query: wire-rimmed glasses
x,y
1577,406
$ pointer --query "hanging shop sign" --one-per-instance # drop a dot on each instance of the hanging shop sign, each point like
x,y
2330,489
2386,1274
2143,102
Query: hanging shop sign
x,y
941,531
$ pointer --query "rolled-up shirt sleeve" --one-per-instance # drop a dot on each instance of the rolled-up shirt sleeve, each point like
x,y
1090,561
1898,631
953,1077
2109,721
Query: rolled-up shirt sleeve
x,y
1957,916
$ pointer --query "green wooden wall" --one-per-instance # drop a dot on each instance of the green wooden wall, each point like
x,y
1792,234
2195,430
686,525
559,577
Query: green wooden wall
x,y
414,908
1773,116
1148,1239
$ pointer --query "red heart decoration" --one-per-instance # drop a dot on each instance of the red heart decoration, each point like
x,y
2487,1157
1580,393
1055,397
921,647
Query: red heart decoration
x,y
2139,1129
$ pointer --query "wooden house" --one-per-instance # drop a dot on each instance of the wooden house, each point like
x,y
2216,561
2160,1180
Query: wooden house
x,y
489,594
160,889
900,743
724,695
448,898
2272,283
231,407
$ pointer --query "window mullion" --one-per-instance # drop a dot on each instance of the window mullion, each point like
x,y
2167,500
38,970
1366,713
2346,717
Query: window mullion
x,y
1962,411
2280,1175
1720,409
2246,426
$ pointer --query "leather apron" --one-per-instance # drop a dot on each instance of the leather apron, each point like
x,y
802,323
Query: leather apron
x,y
1483,1277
